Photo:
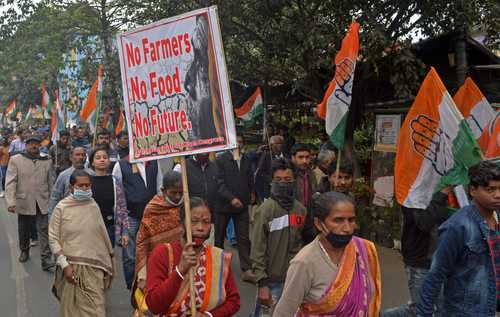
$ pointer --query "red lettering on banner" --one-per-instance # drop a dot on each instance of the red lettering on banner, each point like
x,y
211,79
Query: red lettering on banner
x,y
138,127
152,83
133,55
145,49
187,42
154,122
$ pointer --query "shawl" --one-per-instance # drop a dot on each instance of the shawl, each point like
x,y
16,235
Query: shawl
x,y
209,279
160,224
77,231
356,291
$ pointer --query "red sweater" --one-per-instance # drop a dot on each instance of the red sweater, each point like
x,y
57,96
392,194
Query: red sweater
x,y
162,287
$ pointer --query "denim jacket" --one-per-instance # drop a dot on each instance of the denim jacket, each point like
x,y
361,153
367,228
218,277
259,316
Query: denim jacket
x,y
462,263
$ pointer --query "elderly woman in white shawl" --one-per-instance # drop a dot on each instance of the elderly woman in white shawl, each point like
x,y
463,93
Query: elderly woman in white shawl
x,y
78,237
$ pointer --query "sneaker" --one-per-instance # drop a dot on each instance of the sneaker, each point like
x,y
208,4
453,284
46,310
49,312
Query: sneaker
x,y
248,276
33,243
2,194
25,255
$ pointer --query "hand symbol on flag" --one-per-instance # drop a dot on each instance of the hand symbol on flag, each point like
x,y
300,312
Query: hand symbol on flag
x,y
430,141
344,73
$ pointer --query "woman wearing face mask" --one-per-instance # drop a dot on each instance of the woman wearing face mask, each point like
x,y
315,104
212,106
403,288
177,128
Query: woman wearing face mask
x,y
160,224
337,274
79,240
169,264
107,192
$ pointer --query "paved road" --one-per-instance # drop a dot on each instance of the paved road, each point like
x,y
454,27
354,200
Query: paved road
x,y
25,289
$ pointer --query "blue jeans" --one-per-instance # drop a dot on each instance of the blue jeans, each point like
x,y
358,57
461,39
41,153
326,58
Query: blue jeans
x,y
276,291
3,170
128,252
416,277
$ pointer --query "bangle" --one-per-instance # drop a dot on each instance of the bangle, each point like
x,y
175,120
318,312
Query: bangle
x,y
208,314
178,272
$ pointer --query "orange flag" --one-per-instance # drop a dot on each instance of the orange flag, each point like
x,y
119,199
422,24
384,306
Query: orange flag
x,y
476,110
335,104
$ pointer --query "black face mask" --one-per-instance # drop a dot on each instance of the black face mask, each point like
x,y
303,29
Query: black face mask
x,y
283,193
338,241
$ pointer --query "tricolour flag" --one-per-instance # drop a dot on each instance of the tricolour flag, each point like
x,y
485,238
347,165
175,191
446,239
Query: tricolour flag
x,y
11,109
29,115
476,110
492,138
251,109
335,105
435,146
46,105
121,124
57,124
92,104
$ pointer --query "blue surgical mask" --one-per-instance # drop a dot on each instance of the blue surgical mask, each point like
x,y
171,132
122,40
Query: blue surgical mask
x,y
80,194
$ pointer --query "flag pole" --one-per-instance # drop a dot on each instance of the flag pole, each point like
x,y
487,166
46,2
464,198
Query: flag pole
x,y
187,223
95,124
337,170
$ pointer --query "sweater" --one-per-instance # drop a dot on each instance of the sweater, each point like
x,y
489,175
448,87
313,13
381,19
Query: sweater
x,y
276,238
163,287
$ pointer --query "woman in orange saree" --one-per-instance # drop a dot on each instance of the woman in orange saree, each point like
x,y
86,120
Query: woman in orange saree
x,y
337,274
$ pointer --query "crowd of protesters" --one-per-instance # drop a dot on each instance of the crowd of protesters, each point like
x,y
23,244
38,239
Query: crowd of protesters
x,y
294,218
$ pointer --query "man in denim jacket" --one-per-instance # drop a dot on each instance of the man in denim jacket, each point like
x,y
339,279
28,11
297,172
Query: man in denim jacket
x,y
463,261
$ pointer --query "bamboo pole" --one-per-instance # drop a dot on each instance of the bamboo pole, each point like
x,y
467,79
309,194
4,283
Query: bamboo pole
x,y
187,223
337,170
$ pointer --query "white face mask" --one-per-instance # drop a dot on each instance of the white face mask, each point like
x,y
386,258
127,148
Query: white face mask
x,y
80,194
177,204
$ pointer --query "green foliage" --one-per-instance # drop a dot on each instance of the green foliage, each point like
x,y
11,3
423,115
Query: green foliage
x,y
267,43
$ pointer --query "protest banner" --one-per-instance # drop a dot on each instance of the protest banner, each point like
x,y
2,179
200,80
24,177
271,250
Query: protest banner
x,y
175,87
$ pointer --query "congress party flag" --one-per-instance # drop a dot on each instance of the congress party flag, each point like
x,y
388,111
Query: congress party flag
x,y
251,109
435,147
29,115
492,138
120,125
476,110
11,109
335,105
46,105
57,124
92,104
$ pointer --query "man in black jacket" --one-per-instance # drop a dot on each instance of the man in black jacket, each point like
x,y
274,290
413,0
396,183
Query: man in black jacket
x,y
235,193
418,243
202,179
263,173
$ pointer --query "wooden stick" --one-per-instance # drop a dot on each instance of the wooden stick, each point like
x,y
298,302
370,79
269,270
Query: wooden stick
x,y
187,223
337,171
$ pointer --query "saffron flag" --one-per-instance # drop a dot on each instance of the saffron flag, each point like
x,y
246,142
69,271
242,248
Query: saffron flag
x,y
476,110
92,104
435,146
121,124
11,109
57,124
46,106
251,109
335,105
492,138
